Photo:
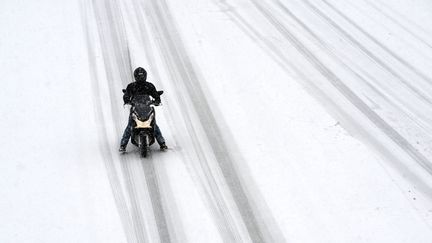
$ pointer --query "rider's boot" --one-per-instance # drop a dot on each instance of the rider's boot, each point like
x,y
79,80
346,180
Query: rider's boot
x,y
163,146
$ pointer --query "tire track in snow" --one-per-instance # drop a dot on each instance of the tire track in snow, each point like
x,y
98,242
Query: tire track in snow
x,y
424,96
109,159
109,38
285,63
156,200
152,178
395,12
398,23
134,213
203,173
219,210
347,92
401,101
363,75
393,133
390,131
376,42
116,187
139,28
117,64
405,108
347,116
181,69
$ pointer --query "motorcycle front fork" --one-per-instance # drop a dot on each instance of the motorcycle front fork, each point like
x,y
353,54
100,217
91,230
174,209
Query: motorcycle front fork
x,y
143,139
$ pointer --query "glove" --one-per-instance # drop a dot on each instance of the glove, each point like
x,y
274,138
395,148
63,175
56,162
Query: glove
x,y
157,102
126,99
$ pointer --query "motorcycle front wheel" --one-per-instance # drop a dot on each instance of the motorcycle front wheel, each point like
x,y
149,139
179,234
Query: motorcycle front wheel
x,y
143,145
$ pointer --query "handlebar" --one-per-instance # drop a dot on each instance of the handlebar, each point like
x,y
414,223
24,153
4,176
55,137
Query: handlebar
x,y
160,92
153,102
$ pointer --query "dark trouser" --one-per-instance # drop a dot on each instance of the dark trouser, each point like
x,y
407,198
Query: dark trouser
x,y
128,132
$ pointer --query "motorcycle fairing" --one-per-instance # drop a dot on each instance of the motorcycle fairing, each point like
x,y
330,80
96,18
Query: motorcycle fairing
x,y
143,124
142,112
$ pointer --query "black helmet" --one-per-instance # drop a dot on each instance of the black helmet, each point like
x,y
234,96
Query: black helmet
x,y
140,74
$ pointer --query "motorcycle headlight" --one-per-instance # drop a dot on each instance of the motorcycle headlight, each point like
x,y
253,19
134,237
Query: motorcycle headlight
x,y
143,124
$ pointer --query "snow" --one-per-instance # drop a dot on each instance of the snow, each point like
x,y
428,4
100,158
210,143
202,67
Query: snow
x,y
294,121
54,186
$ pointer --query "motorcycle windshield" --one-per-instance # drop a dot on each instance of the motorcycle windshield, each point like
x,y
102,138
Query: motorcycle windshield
x,y
142,99
142,107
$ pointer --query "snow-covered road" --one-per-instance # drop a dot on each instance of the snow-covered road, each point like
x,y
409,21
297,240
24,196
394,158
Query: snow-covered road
x,y
287,121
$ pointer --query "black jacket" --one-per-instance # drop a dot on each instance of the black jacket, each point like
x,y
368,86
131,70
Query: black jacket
x,y
140,88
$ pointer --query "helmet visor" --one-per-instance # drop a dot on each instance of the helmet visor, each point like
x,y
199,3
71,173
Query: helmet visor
x,y
141,76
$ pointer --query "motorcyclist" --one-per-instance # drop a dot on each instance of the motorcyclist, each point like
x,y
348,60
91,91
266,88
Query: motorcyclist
x,y
140,87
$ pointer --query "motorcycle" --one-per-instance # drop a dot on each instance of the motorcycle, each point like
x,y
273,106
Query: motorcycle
x,y
143,126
